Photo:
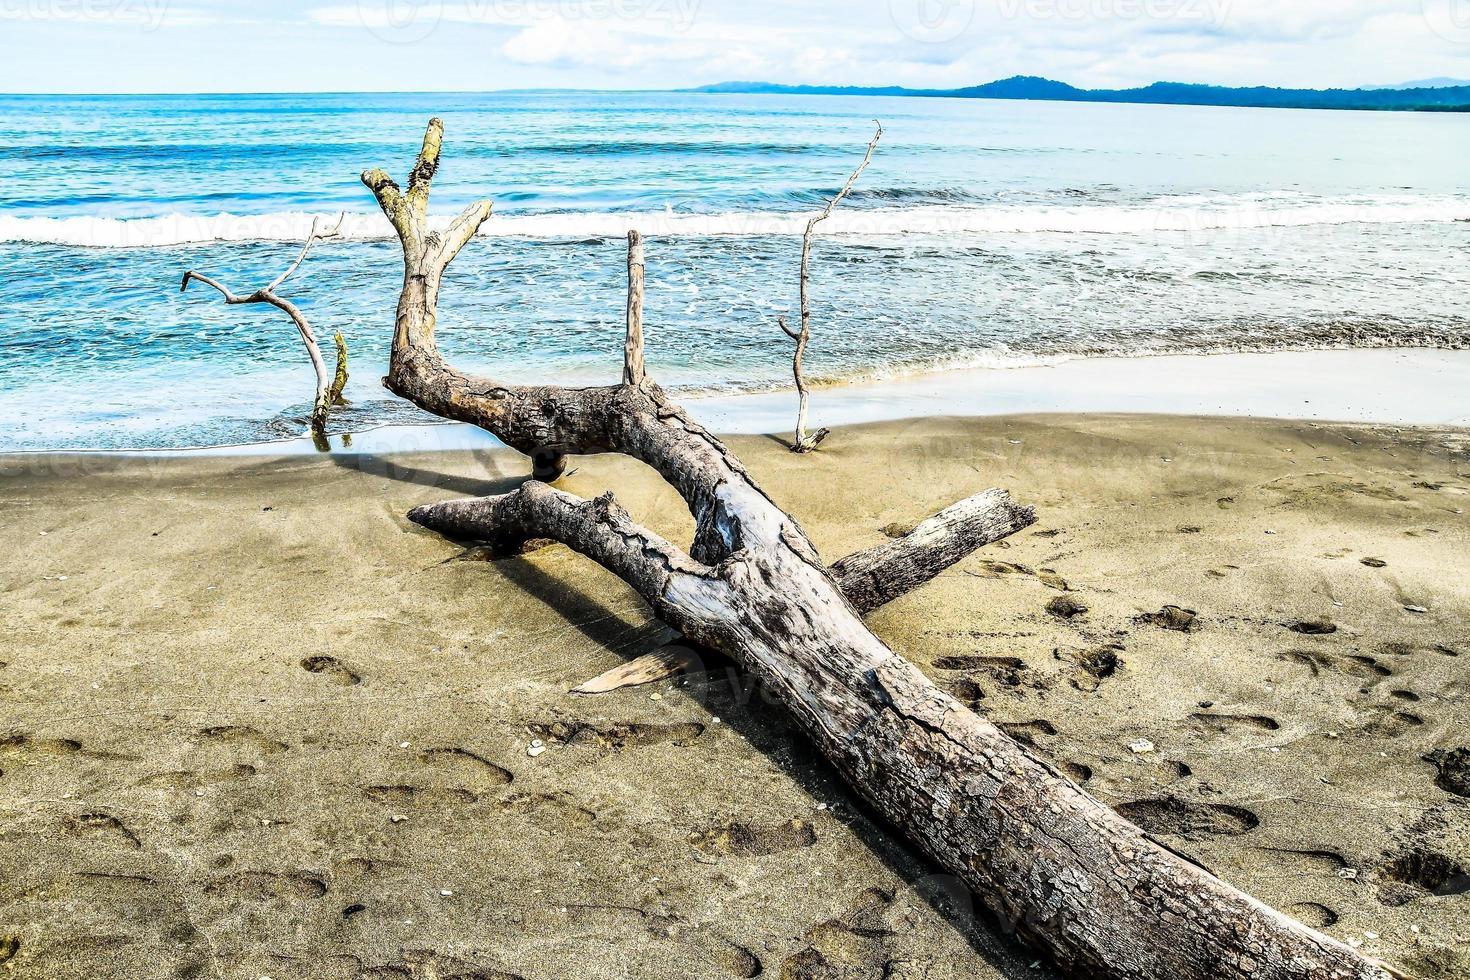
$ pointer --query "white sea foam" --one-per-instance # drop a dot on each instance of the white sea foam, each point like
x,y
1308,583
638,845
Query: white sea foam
x,y
1170,214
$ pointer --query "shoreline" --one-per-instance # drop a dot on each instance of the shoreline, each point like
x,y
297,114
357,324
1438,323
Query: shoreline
x,y
1394,386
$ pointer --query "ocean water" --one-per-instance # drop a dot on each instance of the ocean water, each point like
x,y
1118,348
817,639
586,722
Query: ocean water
x,y
984,233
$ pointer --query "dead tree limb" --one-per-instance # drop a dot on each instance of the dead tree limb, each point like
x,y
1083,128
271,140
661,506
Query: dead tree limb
x,y
1094,892
633,370
328,389
802,442
869,578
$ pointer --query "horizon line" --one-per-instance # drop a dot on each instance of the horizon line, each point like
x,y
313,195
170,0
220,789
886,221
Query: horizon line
x,y
698,89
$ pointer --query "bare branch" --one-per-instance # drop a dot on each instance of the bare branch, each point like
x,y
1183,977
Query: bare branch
x,y
328,392
869,579
461,230
230,298
633,369
801,442
424,169
390,199
311,239
339,378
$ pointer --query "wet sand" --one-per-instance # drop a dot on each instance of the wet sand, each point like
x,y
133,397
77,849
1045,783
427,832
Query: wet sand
x,y
254,724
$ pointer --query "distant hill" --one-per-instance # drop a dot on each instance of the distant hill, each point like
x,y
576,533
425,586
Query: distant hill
x,y
1427,96
1440,82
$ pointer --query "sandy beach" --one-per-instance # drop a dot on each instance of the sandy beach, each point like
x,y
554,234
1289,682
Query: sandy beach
x,y
255,724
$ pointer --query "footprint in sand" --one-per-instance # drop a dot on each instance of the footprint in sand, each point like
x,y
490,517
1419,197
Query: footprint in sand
x,y
1357,665
241,735
1077,772
1418,874
1313,914
1454,770
1005,670
1398,649
1225,724
1187,818
101,825
614,738
404,796
1311,627
1094,665
738,839
1026,732
857,944
331,669
263,885
467,765
1175,618
964,690
1301,862
1391,723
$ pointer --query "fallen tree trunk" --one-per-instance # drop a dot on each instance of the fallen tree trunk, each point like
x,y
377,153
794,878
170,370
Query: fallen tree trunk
x,y
1088,888
868,578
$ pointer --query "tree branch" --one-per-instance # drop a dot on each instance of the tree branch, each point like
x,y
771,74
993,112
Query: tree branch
x,y
803,443
869,579
328,391
633,370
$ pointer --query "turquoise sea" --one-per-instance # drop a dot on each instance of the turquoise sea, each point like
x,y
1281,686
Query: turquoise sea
x,y
984,233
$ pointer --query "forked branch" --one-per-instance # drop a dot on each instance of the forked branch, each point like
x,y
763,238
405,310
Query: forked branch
x,y
328,388
803,443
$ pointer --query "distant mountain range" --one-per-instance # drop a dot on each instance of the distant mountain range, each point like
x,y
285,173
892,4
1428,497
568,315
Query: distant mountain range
x,y
1432,95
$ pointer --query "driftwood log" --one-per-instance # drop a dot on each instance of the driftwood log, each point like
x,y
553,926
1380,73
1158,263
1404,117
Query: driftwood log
x,y
328,388
1096,894
869,578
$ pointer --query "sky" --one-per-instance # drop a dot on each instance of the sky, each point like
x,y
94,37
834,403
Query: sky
x,y
471,45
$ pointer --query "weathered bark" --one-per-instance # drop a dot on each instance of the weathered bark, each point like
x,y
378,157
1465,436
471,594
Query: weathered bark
x,y
868,578
328,390
801,441
1087,887
633,370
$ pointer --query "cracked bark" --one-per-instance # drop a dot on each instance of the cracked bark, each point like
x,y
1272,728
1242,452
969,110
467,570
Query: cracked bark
x,y
1073,878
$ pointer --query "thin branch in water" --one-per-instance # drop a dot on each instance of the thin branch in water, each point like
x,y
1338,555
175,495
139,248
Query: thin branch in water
x,y
328,390
804,443
633,368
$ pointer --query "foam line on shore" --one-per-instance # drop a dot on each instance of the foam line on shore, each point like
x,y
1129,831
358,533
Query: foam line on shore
x,y
1168,215
1385,386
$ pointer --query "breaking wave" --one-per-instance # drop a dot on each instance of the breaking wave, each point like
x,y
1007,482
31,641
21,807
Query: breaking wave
x,y
1161,215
